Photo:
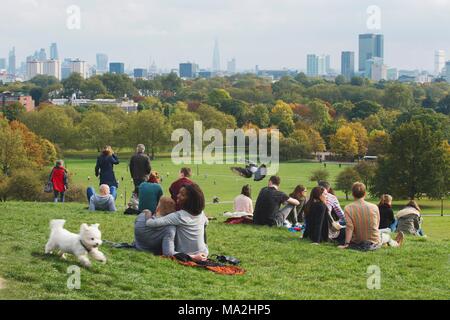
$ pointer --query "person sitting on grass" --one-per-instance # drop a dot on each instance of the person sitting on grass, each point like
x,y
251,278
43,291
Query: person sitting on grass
x,y
316,216
190,223
363,219
243,202
267,208
101,202
332,202
297,214
184,179
410,220
149,193
387,219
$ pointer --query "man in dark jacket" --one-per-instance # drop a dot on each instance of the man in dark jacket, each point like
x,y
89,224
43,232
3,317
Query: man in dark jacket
x,y
139,166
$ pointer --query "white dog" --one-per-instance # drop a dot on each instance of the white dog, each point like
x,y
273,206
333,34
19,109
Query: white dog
x,y
80,245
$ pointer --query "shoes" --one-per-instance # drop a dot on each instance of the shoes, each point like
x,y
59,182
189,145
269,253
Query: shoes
x,y
400,237
287,224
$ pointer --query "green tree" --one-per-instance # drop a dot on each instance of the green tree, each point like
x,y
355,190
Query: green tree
x,y
12,152
96,130
260,116
378,142
399,96
345,180
13,111
364,109
73,84
319,175
366,170
93,87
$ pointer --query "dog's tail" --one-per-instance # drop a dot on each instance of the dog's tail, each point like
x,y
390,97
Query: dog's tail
x,y
57,223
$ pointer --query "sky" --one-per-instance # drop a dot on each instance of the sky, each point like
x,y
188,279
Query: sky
x,y
272,34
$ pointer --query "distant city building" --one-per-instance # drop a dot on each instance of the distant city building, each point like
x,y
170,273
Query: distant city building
x,y
34,68
42,56
102,63
52,68
216,57
312,65
66,69
439,62
327,64
204,74
392,74
153,69
117,67
276,74
79,66
231,66
188,70
54,51
447,73
348,64
140,73
12,61
2,64
378,70
370,46
7,98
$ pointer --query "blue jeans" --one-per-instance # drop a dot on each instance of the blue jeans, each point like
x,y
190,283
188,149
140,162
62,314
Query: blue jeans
x,y
56,194
91,191
393,226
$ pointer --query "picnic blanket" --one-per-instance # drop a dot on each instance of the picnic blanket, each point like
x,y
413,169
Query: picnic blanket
x,y
239,220
210,265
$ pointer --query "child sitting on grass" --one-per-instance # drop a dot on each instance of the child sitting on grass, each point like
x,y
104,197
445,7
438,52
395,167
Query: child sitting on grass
x,y
165,206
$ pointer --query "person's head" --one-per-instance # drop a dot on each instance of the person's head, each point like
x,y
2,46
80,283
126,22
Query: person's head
x,y
104,190
59,163
166,205
386,200
325,184
299,192
107,151
185,172
247,191
359,190
317,195
154,177
191,199
274,181
413,204
140,148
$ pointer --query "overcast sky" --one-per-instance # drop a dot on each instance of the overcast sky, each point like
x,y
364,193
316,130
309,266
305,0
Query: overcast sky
x,y
270,33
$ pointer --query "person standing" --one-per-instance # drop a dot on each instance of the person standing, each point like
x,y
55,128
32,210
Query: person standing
x,y
140,167
184,179
105,169
59,178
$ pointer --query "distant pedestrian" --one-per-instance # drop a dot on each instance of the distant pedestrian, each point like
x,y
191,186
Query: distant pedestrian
x,y
140,167
59,178
105,168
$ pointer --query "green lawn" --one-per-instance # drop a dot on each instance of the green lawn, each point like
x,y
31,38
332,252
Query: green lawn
x,y
279,265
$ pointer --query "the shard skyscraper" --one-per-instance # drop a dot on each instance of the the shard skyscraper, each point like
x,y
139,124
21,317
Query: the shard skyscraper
x,y
216,57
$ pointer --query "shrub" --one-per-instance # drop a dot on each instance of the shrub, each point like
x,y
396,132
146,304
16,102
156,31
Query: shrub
x,y
24,185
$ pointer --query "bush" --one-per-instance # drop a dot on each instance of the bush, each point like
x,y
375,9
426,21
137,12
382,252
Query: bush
x,y
24,185
319,175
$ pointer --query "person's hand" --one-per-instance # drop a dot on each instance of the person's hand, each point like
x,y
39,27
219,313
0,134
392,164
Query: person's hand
x,y
148,214
345,246
199,257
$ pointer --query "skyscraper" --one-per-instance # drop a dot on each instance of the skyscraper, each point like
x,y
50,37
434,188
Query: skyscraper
x,y
188,70
312,65
2,64
34,68
216,57
42,55
327,64
231,66
52,68
439,62
102,63
117,67
12,61
447,72
54,51
370,46
348,64
66,68
79,66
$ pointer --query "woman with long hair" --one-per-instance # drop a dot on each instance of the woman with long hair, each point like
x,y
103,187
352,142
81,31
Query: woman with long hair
x,y
316,217
387,219
104,169
410,219
297,214
243,202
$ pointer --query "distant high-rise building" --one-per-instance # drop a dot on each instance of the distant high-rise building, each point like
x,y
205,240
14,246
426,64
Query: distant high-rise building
x,y
312,65
216,57
140,73
439,62
117,67
327,64
188,70
102,63
66,68
375,69
79,66
12,61
54,51
231,66
447,71
370,46
153,69
348,64
2,64
392,74
34,68
52,68
42,55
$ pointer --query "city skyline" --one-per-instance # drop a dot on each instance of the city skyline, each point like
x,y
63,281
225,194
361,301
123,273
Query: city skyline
x,y
254,33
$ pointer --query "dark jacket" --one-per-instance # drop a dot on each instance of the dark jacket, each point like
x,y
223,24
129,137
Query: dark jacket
x,y
386,216
317,223
140,166
104,169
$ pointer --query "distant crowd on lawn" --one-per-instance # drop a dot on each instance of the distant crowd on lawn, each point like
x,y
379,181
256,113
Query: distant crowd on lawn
x,y
177,224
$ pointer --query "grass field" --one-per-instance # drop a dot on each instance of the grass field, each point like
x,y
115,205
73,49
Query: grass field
x,y
279,265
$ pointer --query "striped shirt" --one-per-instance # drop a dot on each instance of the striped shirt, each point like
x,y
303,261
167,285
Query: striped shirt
x,y
362,220
333,205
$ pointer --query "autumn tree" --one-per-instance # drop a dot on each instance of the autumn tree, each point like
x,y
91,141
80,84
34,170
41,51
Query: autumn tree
x,y
344,142
345,180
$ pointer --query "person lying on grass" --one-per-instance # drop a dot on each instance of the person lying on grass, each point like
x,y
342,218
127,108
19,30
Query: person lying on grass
x,y
190,223
363,219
